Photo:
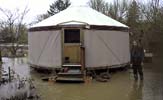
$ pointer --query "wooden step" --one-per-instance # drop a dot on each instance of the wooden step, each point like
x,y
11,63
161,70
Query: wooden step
x,y
69,79
72,66
71,75
69,65
60,73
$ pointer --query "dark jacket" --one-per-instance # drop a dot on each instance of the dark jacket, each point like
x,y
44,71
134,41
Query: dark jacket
x,y
137,55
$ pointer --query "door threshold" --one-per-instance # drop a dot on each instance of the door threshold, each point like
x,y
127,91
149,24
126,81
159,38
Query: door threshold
x,y
71,65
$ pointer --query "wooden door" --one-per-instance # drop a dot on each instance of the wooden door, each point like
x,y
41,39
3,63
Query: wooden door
x,y
71,46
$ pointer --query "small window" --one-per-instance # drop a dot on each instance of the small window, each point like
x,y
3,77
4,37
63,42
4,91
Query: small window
x,y
71,36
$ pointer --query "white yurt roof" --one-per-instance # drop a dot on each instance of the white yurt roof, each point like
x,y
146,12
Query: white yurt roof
x,y
79,15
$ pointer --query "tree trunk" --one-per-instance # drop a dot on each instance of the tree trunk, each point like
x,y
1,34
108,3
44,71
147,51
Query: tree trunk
x,y
0,66
0,58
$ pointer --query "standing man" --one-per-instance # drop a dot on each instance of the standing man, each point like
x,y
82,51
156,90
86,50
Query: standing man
x,y
137,56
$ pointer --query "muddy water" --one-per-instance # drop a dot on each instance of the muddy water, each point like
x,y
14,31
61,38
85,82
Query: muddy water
x,y
121,86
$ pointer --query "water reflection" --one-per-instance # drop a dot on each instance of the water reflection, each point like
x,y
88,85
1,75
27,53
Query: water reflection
x,y
137,90
18,90
120,87
21,86
18,65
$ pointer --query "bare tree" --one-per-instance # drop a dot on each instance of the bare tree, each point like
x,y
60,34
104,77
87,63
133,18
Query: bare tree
x,y
99,5
14,26
119,9
42,17
154,16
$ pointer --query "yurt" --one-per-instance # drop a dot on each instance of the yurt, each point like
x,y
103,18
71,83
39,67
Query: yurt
x,y
79,36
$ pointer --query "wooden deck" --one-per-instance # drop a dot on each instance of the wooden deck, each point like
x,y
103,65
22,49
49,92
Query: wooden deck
x,y
65,79
72,74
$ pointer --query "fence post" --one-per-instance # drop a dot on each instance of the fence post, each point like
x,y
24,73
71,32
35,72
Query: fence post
x,y
0,72
9,74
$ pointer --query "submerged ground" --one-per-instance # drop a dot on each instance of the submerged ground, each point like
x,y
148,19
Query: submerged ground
x,y
120,87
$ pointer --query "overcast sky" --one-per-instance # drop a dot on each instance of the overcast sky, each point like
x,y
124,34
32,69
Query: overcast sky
x,y
36,6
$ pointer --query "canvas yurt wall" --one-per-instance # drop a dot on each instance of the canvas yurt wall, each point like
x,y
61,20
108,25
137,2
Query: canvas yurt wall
x,y
45,48
106,48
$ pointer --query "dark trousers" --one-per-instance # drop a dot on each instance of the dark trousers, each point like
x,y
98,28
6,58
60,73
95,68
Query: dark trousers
x,y
137,69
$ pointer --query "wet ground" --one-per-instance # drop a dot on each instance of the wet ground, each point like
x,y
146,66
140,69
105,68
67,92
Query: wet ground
x,y
120,87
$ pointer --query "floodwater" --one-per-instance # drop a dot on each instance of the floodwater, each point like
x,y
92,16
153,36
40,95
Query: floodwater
x,y
120,87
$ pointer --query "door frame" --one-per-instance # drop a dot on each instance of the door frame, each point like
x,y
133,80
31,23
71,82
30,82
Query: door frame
x,y
63,44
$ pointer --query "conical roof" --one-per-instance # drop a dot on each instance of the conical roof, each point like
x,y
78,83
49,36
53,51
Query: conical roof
x,y
76,15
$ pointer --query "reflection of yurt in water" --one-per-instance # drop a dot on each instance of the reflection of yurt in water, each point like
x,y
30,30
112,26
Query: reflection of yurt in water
x,y
79,35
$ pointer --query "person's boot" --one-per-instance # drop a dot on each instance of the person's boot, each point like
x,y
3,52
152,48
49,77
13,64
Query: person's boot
x,y
136,77
141,77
